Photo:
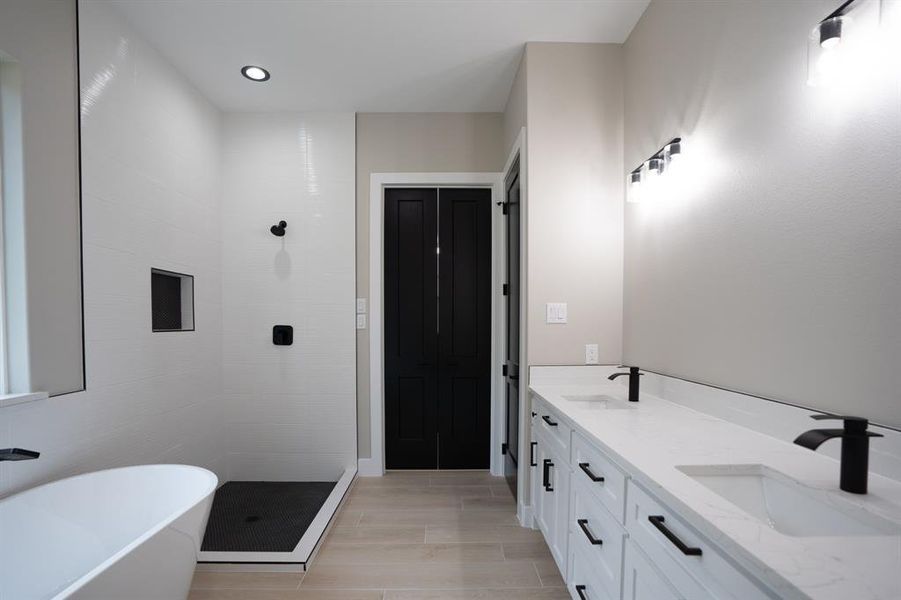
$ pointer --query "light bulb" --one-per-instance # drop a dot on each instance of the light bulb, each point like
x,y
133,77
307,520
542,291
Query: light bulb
x,y
831,33
255,73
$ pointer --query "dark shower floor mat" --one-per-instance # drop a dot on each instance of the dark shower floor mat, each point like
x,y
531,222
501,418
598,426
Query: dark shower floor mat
x,y
263,516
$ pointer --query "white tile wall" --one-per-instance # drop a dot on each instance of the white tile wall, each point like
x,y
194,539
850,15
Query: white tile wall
x,y
151,156
290,410
169,183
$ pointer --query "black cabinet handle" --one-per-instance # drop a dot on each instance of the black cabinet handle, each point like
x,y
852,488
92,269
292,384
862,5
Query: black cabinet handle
x,y
547,475
587,471
657,521
547,420
532,454
583,525
534,414
580,589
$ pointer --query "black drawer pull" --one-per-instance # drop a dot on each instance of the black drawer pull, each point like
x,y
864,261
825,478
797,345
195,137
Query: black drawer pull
x,y
547,475
580,589
657,521
587,471
532,462
547,420
583,524
534,414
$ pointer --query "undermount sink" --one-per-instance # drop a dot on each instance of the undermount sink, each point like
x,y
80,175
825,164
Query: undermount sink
x,y
599,401
788,506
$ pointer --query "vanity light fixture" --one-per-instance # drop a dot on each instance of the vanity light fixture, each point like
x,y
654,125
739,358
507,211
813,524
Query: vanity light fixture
x,y
829,30
652,168
255,73
838,47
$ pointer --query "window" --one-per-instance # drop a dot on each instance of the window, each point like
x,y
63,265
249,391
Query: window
x,y
172,300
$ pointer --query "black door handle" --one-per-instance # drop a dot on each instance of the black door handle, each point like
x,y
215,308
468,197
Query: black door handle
x,y
532,462
547,420
580,589
583,525
587,471
547,474
657,521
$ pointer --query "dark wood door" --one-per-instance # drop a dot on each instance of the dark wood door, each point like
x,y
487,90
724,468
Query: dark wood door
x,y
411,344
464,330
437,328
512,295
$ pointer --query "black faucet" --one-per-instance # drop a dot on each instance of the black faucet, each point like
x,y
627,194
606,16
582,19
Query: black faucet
x,y
18,454
855,449
634,378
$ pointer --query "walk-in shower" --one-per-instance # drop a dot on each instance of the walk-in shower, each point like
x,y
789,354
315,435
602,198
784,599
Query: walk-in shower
x,y
261,387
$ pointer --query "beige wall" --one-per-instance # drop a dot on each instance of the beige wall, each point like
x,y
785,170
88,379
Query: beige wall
x,y
772,267
575,199
412,143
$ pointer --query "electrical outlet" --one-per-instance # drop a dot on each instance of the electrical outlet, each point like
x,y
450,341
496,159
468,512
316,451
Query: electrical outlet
x,y
591,354
361,321
556,312
361,306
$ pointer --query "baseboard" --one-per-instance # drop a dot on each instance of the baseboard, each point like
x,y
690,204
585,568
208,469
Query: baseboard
x,y
369,467
525,516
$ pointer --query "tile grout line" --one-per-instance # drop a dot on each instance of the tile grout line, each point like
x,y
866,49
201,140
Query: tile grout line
x,y
538,573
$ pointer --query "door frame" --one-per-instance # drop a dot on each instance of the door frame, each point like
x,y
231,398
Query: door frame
x,y
375,466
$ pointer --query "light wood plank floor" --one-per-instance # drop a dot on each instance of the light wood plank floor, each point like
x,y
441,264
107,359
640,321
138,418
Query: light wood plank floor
x,y
427,535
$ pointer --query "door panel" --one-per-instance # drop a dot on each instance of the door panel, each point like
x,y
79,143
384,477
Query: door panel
x,y
411,343
512,213
464,332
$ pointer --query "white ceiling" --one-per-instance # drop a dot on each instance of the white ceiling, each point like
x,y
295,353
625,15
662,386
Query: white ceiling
x,y
367,55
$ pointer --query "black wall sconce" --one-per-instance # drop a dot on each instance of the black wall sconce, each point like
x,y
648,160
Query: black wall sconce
x,y
654,166
279,230
840,48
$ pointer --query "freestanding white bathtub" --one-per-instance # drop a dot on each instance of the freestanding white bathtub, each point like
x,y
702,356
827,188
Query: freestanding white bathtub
x,y
129,533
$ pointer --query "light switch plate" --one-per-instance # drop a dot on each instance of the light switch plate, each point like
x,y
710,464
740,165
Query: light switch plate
x,y
361,321
556,312
361,306
591,354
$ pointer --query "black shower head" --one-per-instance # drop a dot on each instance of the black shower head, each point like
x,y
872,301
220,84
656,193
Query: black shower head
x,y
278,230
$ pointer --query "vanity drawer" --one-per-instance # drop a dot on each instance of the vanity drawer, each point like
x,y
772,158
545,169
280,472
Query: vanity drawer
x,y
583,580
696,569
590,523
590,464
553,429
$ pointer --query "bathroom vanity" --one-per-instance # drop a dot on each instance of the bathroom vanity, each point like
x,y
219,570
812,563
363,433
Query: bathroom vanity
x,y
653,500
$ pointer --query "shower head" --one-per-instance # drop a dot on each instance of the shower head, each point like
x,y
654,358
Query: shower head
x,y
278,230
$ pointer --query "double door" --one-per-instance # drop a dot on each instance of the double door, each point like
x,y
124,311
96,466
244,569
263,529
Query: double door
x,y
437,328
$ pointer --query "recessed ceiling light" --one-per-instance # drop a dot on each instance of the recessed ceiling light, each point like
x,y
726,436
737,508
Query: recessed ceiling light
x,y
255,73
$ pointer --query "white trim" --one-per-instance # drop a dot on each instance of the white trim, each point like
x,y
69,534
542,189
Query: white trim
x,y
375,466
12,399
308,543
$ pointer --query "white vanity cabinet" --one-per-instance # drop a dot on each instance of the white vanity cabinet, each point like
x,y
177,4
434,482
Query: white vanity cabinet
x,y
641,581
611,538
550,480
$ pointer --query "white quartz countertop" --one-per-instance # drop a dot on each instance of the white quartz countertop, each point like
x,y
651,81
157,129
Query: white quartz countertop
x,y
652,439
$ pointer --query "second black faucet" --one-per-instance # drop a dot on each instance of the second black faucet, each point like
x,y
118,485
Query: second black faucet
x,y
634,380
